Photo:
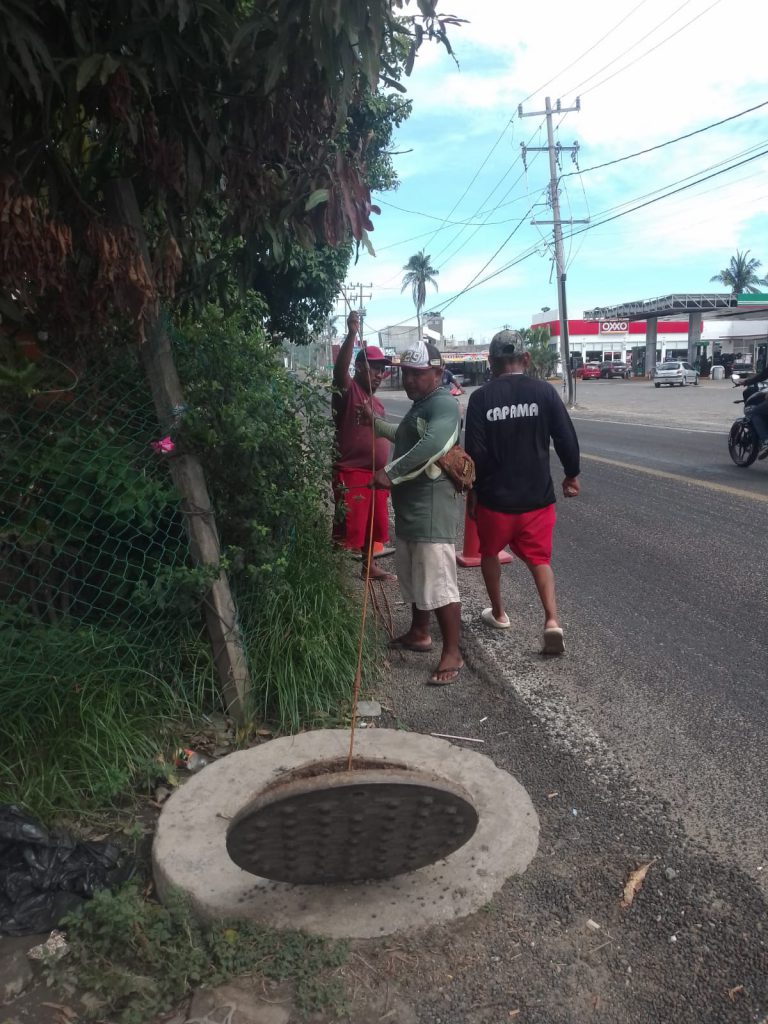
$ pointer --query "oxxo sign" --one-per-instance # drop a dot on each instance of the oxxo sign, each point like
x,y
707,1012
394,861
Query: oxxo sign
x,y
614,326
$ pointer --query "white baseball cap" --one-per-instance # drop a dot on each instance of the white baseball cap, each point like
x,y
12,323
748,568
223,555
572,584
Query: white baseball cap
x,y
422,356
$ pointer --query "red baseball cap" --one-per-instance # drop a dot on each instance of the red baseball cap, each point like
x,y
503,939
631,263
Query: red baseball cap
x,y
373,354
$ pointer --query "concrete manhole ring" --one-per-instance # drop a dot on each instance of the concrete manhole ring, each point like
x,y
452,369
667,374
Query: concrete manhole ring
x,y
190,849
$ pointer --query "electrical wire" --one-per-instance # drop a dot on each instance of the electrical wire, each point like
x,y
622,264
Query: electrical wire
x,y
466,241
629,48
531,251
477,213
477,172
586,52
688,177
454,223
669,142
580,245
492,210
642,56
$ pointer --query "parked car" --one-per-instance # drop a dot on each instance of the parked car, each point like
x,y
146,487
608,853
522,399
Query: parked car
x,y
675,373
589,371
609,369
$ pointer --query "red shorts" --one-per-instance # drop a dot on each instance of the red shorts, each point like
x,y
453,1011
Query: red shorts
x,y
528,534
354,499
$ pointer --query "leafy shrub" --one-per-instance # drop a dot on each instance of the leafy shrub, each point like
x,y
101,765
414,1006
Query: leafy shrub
x,y
265,438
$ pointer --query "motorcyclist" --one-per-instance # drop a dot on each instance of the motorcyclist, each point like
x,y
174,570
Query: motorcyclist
x,y
758,413
450,382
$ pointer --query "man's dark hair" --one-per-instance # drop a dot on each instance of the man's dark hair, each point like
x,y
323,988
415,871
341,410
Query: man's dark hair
x,y
435,356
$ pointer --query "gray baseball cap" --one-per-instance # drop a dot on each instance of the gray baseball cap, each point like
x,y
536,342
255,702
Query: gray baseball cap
x,y
504,344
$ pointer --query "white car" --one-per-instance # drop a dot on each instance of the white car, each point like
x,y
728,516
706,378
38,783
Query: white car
x,y
675,373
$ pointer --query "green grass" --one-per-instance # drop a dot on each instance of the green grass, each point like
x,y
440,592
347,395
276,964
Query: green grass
x,y
84,713
136,958
301,635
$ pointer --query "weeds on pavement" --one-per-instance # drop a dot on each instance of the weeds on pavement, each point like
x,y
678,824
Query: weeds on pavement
x,y
135,958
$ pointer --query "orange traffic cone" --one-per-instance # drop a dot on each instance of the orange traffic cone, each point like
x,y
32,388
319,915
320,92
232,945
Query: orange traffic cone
x,y
470,554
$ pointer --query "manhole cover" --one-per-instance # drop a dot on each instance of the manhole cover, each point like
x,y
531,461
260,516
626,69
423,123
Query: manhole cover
x,y
351,826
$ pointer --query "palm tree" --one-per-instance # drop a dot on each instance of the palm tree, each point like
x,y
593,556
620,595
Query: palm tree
x,y
419,272
536,340
741,274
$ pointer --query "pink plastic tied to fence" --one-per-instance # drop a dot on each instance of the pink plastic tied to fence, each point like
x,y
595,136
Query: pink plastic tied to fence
x,y
164,445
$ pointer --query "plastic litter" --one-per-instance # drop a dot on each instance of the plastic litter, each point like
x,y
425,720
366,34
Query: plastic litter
x,y
54,948
191,760
46,875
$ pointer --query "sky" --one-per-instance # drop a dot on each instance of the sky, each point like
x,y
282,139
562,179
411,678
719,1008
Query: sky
x,y
645,72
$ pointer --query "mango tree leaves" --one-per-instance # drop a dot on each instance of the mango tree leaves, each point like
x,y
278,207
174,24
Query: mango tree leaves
x,y
238,112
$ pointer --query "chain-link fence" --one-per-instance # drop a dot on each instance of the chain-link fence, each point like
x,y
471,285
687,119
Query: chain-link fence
x,y
96,631
89,516
102,622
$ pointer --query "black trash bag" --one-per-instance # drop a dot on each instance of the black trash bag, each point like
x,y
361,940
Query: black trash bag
x,y
46,875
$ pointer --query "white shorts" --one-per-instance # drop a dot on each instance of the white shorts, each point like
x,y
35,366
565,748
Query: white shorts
x,y
426,573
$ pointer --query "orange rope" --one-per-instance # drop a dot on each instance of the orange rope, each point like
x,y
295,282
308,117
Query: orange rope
x,y
368,559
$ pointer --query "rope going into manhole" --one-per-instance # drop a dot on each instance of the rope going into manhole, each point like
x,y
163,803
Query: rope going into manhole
x,y
367,589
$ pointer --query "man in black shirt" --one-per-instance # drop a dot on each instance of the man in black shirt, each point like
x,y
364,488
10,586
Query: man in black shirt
x,y
509,425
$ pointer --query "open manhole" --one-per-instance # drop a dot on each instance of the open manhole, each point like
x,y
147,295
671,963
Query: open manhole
x,y
327,824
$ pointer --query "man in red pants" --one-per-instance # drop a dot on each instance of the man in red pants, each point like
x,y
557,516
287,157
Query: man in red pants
x,y
510,422
357,456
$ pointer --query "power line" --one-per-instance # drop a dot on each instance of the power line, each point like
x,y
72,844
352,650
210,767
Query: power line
x,y
675,191
477,212
669,142
587,51
486,223
493,209
629,48
651,50
477,172
589,216
531,251
446,221
453,223
506,241
688,177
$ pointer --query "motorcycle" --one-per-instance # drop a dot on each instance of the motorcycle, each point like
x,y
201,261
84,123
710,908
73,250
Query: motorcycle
x,y
743,442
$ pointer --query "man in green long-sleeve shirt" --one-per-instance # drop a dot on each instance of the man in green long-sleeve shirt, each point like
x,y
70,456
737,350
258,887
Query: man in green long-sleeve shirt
x,y
426,508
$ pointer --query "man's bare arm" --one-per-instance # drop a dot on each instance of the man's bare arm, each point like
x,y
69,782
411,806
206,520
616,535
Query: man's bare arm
x,y
344,358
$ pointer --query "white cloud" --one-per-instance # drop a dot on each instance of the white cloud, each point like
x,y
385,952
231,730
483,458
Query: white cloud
x,y
706,72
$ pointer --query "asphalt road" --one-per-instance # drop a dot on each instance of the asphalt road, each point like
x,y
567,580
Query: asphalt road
x,y
661,566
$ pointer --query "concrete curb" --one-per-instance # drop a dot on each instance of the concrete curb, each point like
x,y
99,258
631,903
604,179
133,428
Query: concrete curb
x,y
189,852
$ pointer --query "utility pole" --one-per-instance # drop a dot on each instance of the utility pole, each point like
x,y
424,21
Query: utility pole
x,y
362,296
554,150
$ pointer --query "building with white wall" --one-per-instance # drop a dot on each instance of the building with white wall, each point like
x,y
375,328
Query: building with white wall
x,y
711,326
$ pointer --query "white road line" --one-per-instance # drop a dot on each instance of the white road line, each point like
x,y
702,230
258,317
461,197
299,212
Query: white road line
x,y
722,432
664,475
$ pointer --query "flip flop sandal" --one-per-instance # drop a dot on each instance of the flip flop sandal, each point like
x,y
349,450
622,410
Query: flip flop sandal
x,y
399,645
553,641
434,681
490,619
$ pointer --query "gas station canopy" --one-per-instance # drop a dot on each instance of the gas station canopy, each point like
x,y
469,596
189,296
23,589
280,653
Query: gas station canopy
x,y
665,306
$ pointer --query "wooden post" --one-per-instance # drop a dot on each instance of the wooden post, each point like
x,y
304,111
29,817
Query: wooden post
x,y
189,479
